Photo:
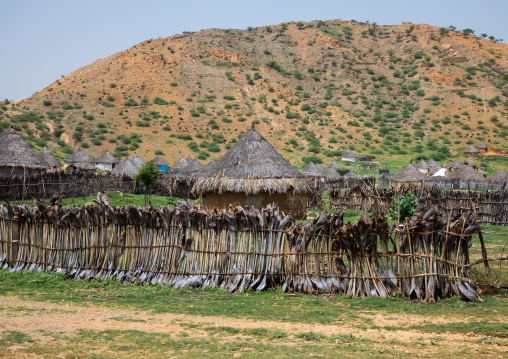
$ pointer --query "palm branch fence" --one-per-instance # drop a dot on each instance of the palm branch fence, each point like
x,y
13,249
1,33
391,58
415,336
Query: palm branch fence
x,y
491,207
426,258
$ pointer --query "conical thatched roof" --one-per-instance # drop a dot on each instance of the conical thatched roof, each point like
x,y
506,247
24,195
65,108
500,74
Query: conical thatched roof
x,y
334,165
470,162
46,156
78,157
351,175
471,150
84,165
136,160
14,152
467,173
455,164
422,165
349,154
108,158
252,166
409,173
192,167
331,173
159,161
313,170
125,168
433,163
499,176
481,146
180,164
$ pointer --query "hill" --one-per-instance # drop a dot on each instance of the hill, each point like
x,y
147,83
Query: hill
x,y
313,89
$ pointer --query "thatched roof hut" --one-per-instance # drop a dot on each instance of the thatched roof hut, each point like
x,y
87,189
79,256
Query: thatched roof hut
x,y
46,156
78,157
467,174
433,163
349,156
471,151
422,166
16,156
193,167
106,161
334,165
137,161
331,173
350,175
313,170
159,162
499,176
481,146
253,173
409,174
180,164
125,168
470,162
434,169
454,165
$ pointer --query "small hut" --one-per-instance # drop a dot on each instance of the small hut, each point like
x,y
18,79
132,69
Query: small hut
x,y
137,161
78,159
408,175
334,165
331,174
46,156
455,165
482,147
179,165
351,175
422,166
349,156
313,170
160,163
471,151
471,163
106,161
193,167
433,163
16,157
468,177
253,173
500,176
125,168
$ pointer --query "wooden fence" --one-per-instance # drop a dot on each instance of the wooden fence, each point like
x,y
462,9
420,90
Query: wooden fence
x,y
426,259
491,207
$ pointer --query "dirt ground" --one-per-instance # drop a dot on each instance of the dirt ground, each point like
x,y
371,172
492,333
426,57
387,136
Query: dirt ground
x,y
35,318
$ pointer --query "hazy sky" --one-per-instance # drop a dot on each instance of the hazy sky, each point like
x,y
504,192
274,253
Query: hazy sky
x,y
44,39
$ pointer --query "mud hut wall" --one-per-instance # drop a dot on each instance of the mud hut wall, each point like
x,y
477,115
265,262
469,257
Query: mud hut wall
x,y
236,251
289,203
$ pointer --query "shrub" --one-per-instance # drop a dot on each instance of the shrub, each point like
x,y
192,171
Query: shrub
x,y
228,97
130,102
84,144
160,101
408,205
47,103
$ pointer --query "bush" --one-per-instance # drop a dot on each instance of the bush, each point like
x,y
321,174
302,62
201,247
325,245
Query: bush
x,y
160,101
84,144
228,97
47,103
159,153
130,102
213,147
408,205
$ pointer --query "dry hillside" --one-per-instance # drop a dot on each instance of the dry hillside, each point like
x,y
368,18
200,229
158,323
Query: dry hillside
x,y
314,89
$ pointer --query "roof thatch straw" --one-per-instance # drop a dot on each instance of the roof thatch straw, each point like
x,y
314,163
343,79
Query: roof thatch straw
x,y
434,169
481,146
467,173
252,166
159,161
433,163
455,164
351,175
136,160
408,173
470,162
471,150
78,157
192,167
313,170
46,156
180,164
499,176
422,165
348,154
334,165
84,165
331,173
107,158
14,152
125,168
